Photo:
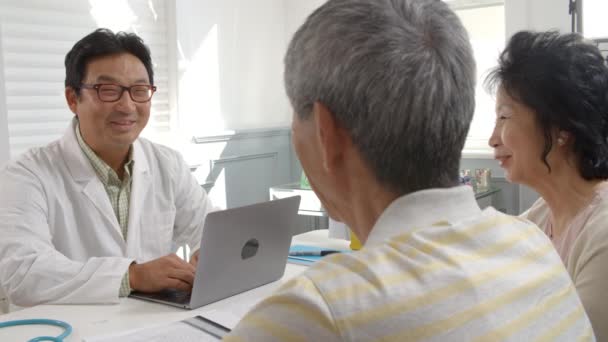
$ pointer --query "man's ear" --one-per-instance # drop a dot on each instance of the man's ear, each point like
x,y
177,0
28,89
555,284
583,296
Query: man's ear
x,y
330,136
72,99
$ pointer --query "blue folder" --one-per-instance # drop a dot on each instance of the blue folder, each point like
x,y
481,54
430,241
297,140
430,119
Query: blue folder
x,y
307,260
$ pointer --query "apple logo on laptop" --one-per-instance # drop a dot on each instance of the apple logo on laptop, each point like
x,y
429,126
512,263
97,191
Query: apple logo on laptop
x,y
250,249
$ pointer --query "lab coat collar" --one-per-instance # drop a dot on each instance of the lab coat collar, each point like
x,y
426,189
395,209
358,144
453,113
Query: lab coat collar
x,y
82,171
81,168
140,186
422,209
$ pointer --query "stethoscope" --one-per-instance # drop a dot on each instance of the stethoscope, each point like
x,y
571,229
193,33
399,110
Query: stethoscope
x,y
67,328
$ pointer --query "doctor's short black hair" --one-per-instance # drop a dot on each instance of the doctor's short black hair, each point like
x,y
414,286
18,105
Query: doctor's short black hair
x,y
99,43
563,78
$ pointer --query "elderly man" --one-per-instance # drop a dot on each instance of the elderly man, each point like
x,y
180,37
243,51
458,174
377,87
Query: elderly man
x,y
383,94
97,213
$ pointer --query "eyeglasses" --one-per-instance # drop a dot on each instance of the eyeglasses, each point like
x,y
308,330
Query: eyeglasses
x,y
113,92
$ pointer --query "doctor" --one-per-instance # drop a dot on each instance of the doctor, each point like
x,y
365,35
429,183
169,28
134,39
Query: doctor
x,y
98,213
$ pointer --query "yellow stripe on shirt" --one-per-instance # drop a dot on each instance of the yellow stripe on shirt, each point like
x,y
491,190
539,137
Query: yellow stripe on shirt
x,y
587,335
233,338
525,319
399,307
303,309
563,325
351,265
442,326
403,276
265,325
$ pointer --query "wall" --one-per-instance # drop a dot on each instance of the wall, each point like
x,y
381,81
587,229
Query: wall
x,y
4,142
520,14
230,65
296,12
238,169
536,15
486,28
231,97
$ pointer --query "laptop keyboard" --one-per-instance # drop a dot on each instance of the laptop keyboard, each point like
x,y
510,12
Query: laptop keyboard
x,y
172,295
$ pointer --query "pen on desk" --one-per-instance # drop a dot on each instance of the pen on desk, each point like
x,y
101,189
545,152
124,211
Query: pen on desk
x,y
313,253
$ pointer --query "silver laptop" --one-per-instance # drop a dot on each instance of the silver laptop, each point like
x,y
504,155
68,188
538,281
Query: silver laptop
x,y
242,248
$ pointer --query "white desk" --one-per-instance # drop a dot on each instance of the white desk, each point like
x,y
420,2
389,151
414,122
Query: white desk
x,y
92,320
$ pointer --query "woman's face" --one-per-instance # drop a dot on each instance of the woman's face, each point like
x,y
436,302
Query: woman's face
x,y
518,141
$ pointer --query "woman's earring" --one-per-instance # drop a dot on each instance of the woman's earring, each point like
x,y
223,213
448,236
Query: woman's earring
x,y
561,141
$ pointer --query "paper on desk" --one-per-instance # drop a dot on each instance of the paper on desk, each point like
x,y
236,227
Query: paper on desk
x,y
176,331
225,318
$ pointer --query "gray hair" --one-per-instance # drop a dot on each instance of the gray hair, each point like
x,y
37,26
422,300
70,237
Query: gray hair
x,y
398,75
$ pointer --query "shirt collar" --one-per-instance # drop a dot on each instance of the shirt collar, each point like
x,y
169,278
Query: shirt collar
x,y
105,173
424,208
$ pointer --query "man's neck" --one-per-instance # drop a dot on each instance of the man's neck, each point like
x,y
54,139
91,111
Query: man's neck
x,y
364,200
116,159
367,206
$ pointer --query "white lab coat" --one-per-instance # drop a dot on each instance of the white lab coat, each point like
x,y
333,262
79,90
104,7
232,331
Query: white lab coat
x,y
60,241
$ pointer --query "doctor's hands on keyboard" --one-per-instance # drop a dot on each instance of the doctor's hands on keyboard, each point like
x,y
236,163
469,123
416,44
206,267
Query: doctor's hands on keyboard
x,y
166,272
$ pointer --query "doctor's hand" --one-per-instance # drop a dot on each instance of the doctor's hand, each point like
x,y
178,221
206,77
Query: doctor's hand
x,y
166,272
194,258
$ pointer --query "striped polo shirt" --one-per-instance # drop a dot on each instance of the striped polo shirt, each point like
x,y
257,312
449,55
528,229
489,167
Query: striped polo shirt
x,y
434,268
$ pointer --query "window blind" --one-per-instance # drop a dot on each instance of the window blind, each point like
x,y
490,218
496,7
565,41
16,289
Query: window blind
x,y
37,34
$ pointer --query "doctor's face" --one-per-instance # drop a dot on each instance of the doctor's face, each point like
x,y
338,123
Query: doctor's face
x,y
111,125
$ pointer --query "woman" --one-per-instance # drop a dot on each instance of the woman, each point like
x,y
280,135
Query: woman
x,y
551,135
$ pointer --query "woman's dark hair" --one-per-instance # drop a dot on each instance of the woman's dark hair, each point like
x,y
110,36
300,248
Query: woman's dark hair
x,y
103,42
564,80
